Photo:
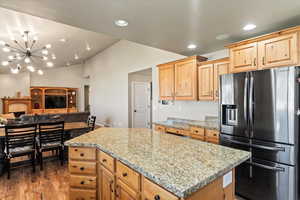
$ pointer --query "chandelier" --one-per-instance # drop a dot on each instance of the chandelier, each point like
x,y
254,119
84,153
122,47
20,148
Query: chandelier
x,y
26,54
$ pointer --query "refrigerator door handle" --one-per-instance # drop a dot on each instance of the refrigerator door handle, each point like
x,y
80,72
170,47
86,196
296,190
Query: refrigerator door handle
x,y
235,142
251,105
245,99
268,148
281,169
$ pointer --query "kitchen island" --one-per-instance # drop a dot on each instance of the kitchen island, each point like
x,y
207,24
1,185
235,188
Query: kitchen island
x,y
132,164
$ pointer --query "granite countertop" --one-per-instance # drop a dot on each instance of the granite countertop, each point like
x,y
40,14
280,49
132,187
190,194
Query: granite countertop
x,y
187,124
178,164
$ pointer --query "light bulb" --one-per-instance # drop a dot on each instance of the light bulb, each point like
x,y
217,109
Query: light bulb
x,y
76,57
14,71
6,49
11,57
40,72
30,68
88,48
48,46
45,52
45,58
27,60
49,64
5,63
2,42
53,57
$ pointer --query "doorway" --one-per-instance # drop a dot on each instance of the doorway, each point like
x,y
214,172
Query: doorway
x,y
140,99
87,98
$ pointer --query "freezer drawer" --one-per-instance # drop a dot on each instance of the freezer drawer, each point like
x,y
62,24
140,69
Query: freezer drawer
x,y
235,142
281,153
259,179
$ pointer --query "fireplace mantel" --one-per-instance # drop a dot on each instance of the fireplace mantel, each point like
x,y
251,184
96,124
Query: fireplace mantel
x,y
12,105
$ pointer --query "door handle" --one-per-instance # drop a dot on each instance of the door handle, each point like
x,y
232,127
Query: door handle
x,y
251,104
281,169
245,99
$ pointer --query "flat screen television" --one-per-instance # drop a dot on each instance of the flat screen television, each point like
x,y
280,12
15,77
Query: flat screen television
x,y
52,102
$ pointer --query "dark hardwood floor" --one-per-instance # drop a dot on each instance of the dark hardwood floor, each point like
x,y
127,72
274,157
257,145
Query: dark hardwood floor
x,y
50,184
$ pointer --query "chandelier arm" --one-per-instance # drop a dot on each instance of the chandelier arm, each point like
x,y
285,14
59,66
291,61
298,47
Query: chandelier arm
x,y
19,45
32,44
36,50
35,56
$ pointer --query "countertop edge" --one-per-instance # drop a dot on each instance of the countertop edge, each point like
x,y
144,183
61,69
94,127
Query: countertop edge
x,y
190,125
180,194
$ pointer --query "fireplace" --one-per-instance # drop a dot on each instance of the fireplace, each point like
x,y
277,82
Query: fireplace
x,y
17,106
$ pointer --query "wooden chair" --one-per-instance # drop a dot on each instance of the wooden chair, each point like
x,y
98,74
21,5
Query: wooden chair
x,y
20,141
50,138
91,123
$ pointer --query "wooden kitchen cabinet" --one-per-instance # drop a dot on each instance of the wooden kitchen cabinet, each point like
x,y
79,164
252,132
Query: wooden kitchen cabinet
x,y
124,192
206,82
178,79
278,51
243,58
221,67
166,81
107,188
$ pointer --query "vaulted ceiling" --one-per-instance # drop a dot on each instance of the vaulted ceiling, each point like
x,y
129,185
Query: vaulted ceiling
x,y
169,24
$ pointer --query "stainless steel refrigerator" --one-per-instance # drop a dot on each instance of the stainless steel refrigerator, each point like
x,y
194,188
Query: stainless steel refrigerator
x,y
259,113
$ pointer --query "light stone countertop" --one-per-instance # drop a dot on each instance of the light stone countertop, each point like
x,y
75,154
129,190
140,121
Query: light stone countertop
x,y
187,124
180,165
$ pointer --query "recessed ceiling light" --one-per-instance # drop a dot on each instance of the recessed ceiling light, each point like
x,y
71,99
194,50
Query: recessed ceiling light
x,y
249,27
222,37
192,46
49,64
121,23
63,40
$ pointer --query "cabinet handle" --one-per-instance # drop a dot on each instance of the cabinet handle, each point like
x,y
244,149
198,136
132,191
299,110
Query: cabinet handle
x,y
124,174
263,60
110,186
157,197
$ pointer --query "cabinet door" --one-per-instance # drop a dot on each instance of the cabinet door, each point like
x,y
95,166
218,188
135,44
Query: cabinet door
x,y
166,82
205,82
186,80
279,51
124,192
219,69
243,58
107,185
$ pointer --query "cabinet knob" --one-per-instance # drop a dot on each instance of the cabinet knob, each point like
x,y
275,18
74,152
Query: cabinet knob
x,y
82,182
124,174
81,168
157,197
104,160
82,154
76,150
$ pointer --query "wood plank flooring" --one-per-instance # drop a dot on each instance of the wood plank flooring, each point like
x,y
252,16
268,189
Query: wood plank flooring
x,y
50,184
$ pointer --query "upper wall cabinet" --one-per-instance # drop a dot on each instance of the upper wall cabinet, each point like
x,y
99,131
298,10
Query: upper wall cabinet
x,y
277,49
166,81
208,78
178,79
243,58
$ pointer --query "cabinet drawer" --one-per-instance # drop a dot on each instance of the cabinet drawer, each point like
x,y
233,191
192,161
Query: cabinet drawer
x,y
107,161
81,153
198,133
184,132
153,191
160,128
173,130
128,176
83,181
212,136
79,194
79,167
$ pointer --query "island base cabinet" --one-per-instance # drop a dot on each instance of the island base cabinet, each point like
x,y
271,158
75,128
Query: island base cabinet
x,y
107,190
123,192
79,194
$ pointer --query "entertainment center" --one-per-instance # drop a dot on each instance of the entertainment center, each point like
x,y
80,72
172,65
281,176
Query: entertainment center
x,y
53,100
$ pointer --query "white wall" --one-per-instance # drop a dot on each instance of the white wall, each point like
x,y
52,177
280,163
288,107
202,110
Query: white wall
x,y
10,84
108,73
71,76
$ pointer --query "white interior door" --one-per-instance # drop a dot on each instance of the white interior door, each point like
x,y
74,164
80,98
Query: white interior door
x,y
141,105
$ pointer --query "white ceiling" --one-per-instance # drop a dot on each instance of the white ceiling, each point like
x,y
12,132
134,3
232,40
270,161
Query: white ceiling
x,y
169,24
77,40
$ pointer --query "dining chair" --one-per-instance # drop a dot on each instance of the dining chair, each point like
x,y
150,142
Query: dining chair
x,y
50,138
91,123
20,141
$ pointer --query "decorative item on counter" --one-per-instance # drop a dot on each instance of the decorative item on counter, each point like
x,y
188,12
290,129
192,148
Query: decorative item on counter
x,y
3,121
18,94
